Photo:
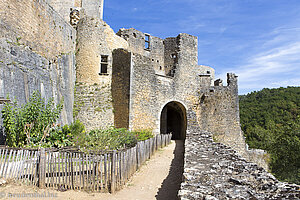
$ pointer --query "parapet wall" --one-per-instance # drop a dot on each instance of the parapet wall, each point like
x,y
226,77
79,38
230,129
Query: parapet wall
x,y
218,112
215,171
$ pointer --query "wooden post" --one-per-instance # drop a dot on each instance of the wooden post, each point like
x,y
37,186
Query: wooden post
x,y
113,175
41,168
137,156
72,170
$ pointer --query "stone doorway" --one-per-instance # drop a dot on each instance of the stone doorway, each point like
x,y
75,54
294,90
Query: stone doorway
x,y
173,120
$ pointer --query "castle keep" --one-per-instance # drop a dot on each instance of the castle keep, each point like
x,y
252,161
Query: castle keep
x,y
127,79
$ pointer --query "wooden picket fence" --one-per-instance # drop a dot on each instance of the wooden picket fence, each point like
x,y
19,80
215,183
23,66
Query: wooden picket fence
x,y
63,169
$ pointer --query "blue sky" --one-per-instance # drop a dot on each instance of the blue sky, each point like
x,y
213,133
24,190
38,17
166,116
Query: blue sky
x,y
259,40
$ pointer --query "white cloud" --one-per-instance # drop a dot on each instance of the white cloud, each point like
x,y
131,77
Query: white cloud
x,y
284,83
276,67
279,60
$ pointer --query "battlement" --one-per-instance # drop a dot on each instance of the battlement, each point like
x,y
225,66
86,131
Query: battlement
x,y
92,8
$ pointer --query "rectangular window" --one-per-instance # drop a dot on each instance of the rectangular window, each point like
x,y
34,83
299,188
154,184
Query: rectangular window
x,y
147,41
103,65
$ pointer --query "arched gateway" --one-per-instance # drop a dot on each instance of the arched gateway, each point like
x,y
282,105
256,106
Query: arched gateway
x,y
173,120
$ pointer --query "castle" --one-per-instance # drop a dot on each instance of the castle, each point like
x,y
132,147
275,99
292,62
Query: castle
x,y
127,79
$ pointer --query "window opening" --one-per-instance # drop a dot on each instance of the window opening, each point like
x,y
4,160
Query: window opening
x,y
147,41
103,65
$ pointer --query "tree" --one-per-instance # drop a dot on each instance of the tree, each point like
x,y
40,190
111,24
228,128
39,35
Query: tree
x,y
270,121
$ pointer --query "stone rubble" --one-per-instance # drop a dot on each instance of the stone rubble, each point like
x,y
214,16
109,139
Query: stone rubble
x,y
214,171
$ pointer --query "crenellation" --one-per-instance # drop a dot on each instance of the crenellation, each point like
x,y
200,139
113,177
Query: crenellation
x,y
91,8
218,82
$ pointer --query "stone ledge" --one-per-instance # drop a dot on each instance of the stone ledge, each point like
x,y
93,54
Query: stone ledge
x,y
215,171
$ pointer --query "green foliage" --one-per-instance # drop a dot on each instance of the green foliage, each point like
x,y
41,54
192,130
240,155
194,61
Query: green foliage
x,y
142,135
31,123
109,139
270,120
64,136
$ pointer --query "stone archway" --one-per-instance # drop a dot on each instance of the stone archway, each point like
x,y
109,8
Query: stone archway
x,y
173,120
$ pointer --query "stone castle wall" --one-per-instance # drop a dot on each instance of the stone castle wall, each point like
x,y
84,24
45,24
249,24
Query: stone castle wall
x,y
136,45
37,53
94,105
151,90
143,73
121,87
37,25
63,7
218,112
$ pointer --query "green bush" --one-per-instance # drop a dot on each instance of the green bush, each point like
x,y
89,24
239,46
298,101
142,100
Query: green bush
x,y
63,136
33,125
110,139
142,135
30,124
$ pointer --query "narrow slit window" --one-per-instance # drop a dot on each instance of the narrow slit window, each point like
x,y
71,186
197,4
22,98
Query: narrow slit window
x,y
147,41
103,65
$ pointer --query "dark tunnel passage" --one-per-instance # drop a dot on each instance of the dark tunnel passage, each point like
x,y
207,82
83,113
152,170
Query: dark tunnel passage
x,y
173,120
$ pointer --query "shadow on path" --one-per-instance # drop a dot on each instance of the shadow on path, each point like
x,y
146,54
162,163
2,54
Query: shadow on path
x,y
171,185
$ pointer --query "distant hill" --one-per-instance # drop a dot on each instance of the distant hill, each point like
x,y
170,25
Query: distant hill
x,y
270,119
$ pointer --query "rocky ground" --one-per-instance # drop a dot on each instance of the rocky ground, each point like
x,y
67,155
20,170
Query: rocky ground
x,y
214,171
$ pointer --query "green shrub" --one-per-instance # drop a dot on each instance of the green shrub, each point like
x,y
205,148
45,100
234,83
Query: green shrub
x,y
64,136
33,125
110,139
30,123
142,135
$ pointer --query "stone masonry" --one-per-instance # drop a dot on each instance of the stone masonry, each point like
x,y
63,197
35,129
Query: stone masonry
x,y
129,79
37,52
133,80
214,171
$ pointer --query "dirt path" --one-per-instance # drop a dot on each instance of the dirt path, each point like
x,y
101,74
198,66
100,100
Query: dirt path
x,y
158,179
